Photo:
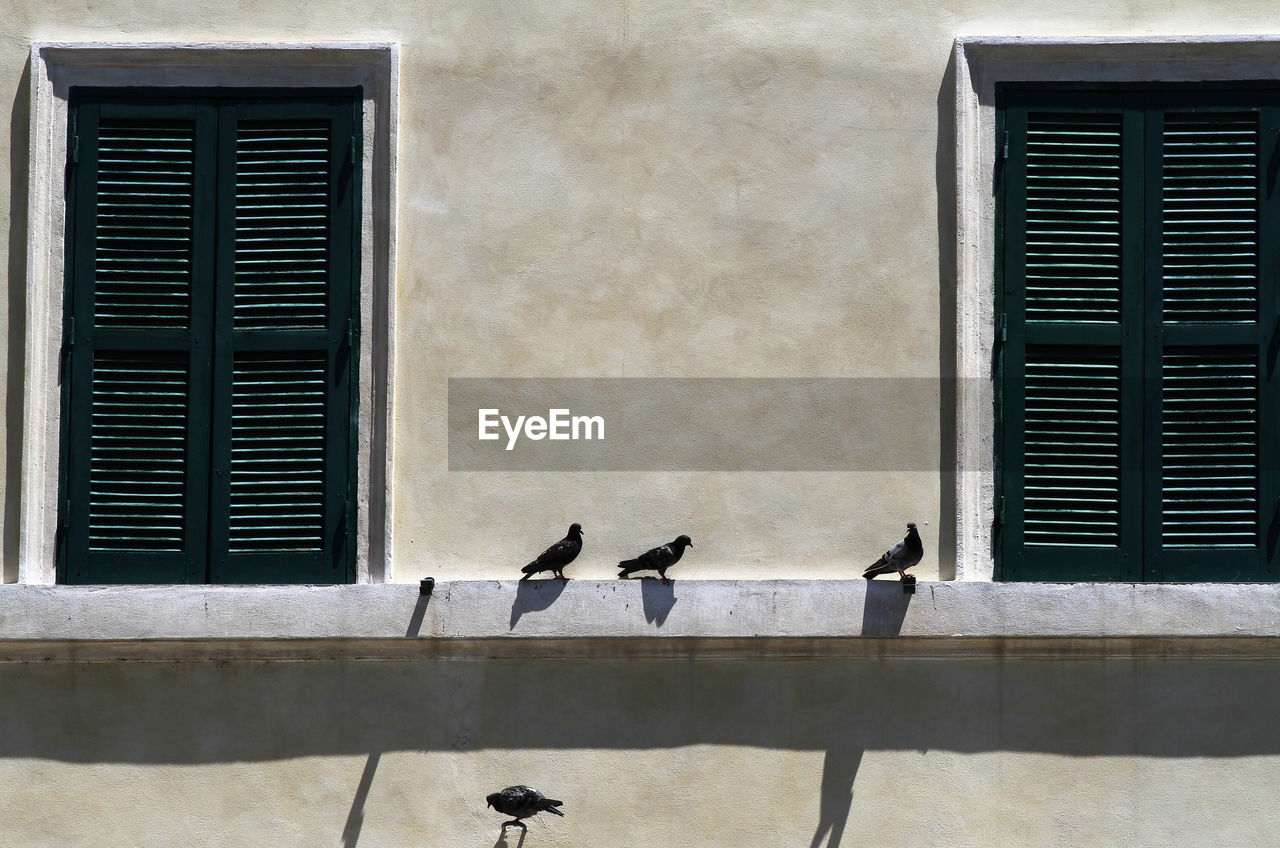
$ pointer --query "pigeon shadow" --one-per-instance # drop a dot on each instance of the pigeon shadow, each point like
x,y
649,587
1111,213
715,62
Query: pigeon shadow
x,y
535,596
658,598
355,817
885,608
502,839
839,769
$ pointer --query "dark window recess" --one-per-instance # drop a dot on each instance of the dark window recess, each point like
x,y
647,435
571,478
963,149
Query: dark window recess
x,y
209,354
1136,387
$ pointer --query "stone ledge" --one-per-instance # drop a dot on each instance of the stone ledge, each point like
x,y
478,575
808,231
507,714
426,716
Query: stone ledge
x,y
609,611
756,648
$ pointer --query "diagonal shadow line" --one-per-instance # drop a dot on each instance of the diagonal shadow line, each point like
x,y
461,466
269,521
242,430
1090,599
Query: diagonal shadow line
x,y
419,612
839,769
355,818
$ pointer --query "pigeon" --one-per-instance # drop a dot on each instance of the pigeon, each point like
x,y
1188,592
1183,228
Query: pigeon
x,y
556,557
660,558
520,802
900,557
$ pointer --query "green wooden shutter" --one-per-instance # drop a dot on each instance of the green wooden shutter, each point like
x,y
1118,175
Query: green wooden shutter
x,y
1160,202
1070,458
286,349
210,409
133,507
1208,340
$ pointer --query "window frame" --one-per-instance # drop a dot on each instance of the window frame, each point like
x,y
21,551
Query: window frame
x,y
978,64
56,67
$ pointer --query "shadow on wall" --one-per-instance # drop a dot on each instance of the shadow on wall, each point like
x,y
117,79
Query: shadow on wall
x,y
194,713
355,818
659,598
945,176
884,608
19,122
152,712
535,596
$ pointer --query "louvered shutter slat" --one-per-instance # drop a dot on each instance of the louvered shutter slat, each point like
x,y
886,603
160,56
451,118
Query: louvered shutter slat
x,y
1210,448
1209,184
282,224
278,453
137,454
145,211
1073,217
1072,456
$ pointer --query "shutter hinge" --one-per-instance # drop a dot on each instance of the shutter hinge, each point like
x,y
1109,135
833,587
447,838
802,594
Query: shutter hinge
x,y
75,149
1004,150
60,535
353,333
68,342
353,150
1000,511
997,345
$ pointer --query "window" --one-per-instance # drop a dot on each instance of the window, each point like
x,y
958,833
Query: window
x,y
210,344
1137,247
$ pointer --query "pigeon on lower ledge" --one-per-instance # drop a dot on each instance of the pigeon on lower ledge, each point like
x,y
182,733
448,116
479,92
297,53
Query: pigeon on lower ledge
x,y
521,802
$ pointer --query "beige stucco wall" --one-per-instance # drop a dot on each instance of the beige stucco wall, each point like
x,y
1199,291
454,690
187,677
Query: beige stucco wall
x,y
620,189
623,189
672,753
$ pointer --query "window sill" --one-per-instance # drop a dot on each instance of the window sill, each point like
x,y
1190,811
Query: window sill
x,y
584,618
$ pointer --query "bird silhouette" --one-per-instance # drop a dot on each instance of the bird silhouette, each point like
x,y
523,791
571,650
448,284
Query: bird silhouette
x,y
900,557
658,559
520,802
556,557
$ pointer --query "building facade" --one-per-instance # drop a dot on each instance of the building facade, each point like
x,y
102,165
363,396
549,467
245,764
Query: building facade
x,y
288,287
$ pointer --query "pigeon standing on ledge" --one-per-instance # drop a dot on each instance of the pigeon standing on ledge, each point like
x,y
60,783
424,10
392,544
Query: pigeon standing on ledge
x,y
900,557
659,559
556,557
520,802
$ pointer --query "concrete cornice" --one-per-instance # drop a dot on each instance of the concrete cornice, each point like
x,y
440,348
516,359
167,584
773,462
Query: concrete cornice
x,y
788,618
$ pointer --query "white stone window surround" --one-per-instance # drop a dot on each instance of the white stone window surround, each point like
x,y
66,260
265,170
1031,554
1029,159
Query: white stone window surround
x,y
58,66
980,62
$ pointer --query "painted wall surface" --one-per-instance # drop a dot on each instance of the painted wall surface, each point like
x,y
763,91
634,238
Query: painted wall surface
x,y
675,753
604,189
617,189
